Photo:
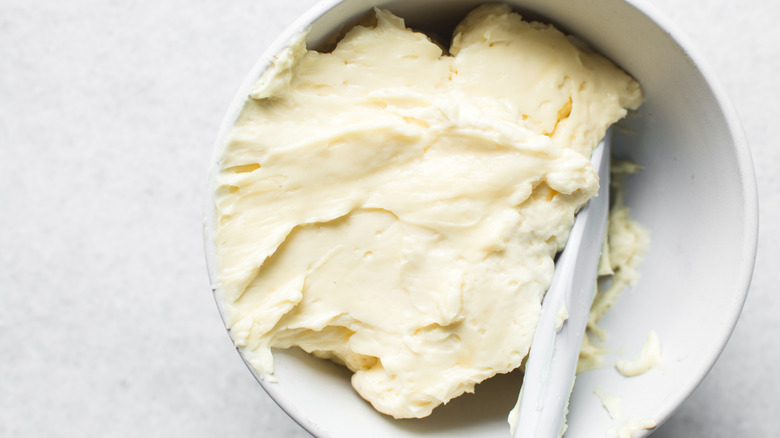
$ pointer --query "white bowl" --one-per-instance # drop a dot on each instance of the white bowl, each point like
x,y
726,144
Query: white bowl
x,y
696,195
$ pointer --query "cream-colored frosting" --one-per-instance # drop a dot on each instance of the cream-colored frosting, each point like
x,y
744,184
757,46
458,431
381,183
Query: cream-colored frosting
x,y
561,316
624,426
624,249
397,209
648,358
627,243
612,403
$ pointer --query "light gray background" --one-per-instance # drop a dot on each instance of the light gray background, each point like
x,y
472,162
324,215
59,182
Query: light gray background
x,y
108,112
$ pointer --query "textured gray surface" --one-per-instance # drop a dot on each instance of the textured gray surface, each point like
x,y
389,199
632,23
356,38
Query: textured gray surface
x,y
108,112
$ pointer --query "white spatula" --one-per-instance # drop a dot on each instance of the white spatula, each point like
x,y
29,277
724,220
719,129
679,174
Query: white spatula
x,y
552,360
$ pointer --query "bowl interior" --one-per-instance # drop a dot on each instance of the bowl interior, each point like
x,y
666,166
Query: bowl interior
x,y
696,195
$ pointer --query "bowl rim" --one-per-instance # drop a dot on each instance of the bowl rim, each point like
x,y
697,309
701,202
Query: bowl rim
x,y
747,177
